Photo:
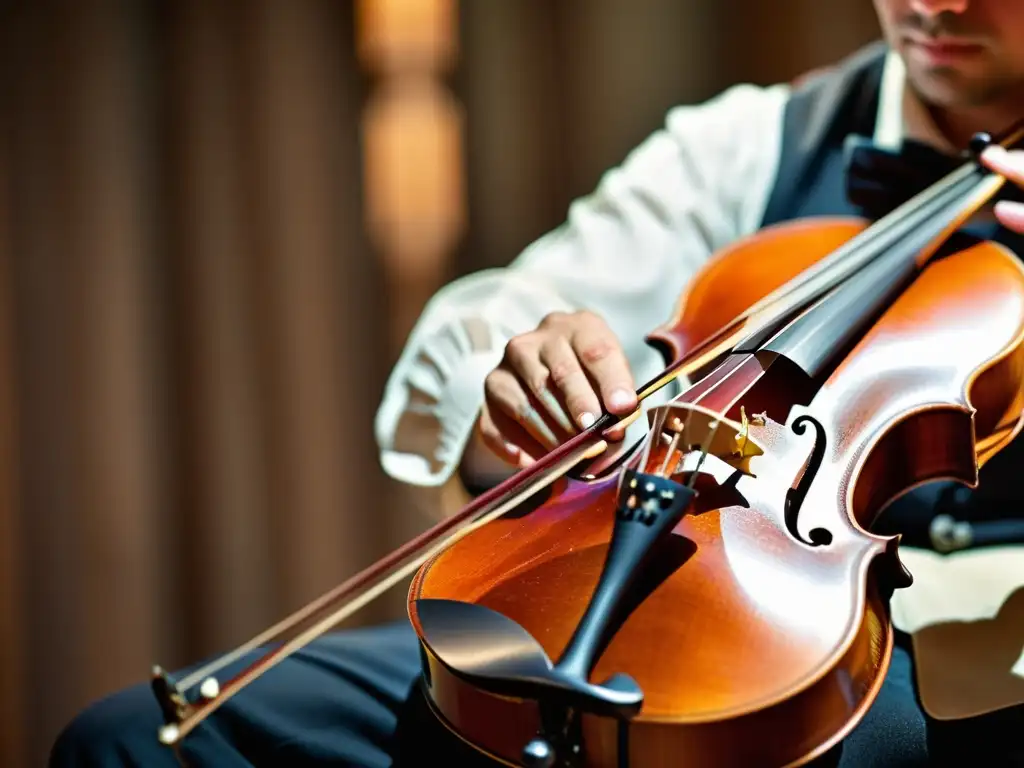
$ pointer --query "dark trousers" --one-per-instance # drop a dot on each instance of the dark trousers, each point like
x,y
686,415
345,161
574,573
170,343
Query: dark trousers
x,y
351,699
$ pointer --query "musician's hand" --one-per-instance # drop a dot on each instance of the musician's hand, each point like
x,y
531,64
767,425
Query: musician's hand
x,y
1011,165
552,382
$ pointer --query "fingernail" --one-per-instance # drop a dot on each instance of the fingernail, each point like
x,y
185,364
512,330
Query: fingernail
x,y
996,153
1010,214
513,451
620,398
586,419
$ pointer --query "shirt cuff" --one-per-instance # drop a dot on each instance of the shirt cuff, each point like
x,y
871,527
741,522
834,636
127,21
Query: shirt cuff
x,y
443,386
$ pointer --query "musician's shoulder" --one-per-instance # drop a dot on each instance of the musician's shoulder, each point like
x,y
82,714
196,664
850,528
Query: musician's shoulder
x,y
735,112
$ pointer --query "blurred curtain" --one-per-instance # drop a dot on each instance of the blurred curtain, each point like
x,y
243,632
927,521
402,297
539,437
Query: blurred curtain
x,y
193,337
196,319
558,91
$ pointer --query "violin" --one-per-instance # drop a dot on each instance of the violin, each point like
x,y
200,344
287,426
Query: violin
x,y
714,595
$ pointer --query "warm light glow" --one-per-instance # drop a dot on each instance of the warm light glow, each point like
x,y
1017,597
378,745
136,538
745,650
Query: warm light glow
x,y
413,174
397,35
412,137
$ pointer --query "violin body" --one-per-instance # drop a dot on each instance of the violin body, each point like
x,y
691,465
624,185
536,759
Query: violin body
x,y
759,634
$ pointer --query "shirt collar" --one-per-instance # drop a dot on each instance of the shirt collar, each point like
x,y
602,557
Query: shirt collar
x,y
901,115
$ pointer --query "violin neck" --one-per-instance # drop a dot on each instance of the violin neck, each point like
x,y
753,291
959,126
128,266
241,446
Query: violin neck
x,y
876,267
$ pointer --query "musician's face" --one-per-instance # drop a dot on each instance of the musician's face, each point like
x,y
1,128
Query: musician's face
x,y
958,53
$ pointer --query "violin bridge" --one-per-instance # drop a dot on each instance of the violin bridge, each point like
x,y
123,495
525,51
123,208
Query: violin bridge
x,y
691,427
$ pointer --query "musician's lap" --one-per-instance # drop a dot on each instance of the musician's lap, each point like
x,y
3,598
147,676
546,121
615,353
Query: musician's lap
x,y
349,700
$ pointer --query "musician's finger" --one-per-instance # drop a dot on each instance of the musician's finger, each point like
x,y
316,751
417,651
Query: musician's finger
x,y
523,356
495,442
519,451
602,357
505,395
1006,162
1011,215
530,450
615,434
567,378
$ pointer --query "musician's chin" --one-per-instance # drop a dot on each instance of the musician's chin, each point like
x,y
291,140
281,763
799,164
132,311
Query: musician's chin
x,y
949,78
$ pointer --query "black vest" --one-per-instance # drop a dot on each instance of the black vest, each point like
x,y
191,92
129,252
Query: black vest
x,y
821,114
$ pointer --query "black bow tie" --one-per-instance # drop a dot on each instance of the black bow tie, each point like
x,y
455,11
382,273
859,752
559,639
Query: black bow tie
x,y
879,180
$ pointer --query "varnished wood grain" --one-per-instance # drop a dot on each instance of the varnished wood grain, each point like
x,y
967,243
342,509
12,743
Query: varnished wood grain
x,y
753,648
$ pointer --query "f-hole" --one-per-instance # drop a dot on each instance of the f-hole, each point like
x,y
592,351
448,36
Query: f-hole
x,y
819,537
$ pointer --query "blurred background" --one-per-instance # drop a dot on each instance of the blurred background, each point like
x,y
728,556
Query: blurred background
x,y
218,222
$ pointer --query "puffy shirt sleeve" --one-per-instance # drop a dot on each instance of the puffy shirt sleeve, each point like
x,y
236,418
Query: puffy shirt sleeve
x,y
624,252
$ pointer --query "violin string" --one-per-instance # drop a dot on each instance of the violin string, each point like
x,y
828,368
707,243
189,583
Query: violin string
x,y
965,186
864,248
687,444
919,206
826,274
809,284
669,453
980,192
934,195
704,448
